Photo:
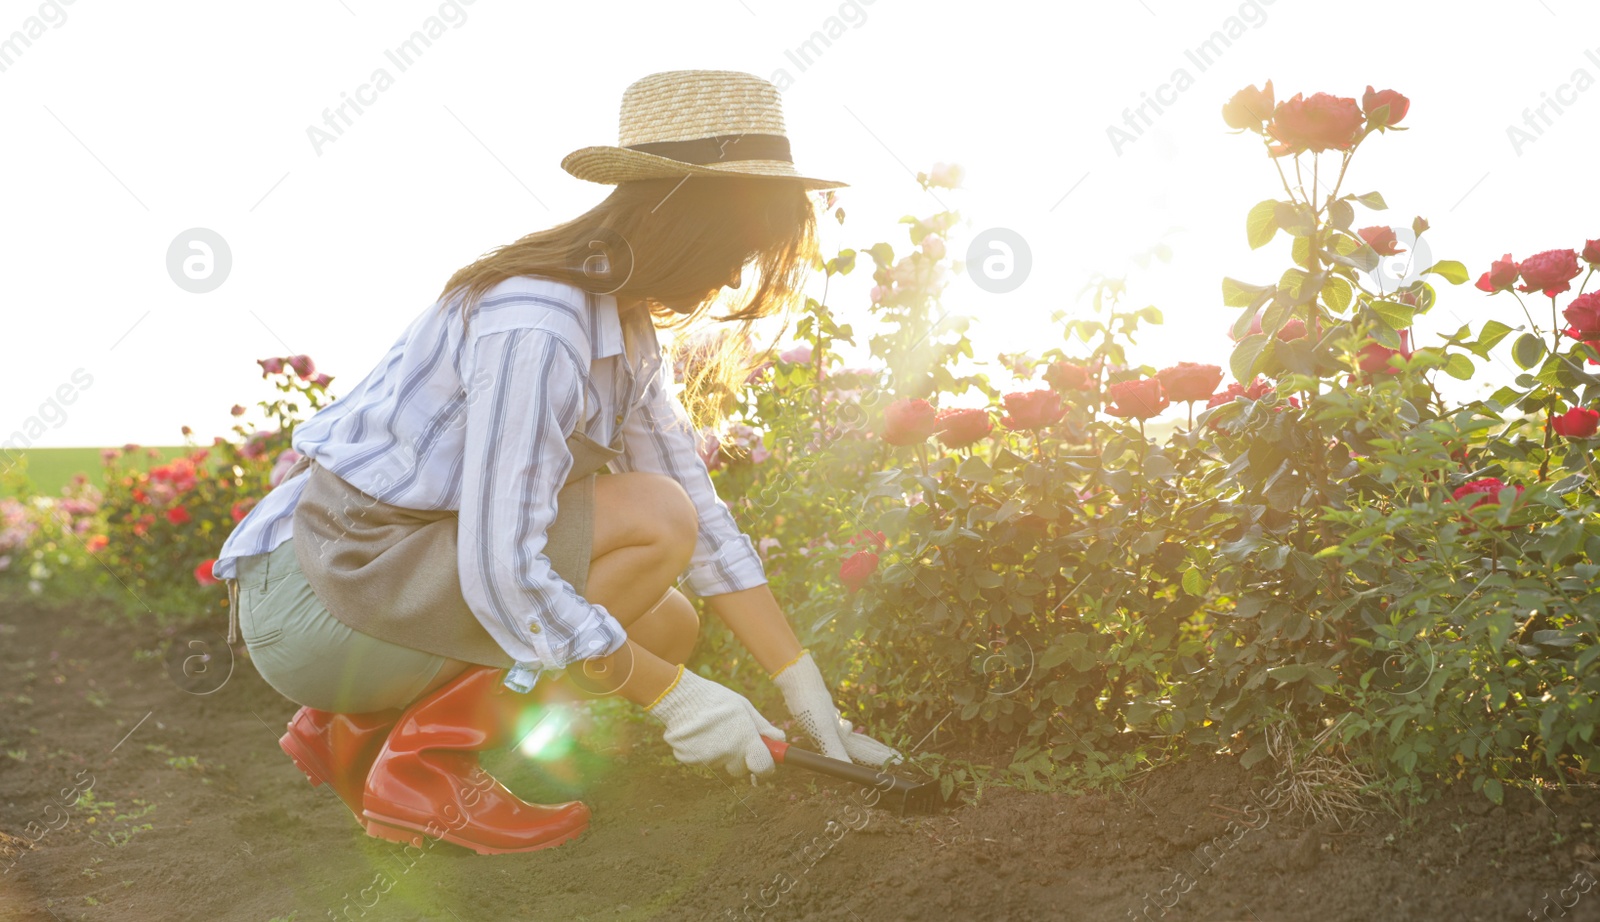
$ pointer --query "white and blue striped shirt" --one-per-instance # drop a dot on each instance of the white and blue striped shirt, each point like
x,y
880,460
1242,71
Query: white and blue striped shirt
x,y
478,423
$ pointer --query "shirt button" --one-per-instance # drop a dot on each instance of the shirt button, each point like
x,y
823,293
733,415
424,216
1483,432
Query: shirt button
x,y
533,627
619,419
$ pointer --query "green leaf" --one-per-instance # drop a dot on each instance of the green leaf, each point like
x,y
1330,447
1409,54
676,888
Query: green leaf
x,y
1336,293
1373,200
1449,270
1193,582
1527,350
1493,331
1245,355
1340,214
1458,366
1241,294
976,470
1398,316
1261,224
1291,672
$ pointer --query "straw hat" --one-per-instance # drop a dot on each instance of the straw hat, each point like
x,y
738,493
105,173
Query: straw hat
x,y
695,123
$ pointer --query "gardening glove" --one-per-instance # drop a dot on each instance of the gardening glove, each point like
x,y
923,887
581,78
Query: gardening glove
x,y
812,705
709,724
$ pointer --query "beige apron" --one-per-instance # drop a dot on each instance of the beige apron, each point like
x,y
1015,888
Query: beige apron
x,y
392,572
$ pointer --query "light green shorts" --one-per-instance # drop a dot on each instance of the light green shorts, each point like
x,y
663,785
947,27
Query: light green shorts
x,y
313,658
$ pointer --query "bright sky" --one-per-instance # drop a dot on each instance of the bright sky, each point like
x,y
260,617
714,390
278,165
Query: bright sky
x,y
130,123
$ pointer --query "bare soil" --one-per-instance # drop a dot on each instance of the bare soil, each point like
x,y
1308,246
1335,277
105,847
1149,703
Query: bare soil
x,y
196,814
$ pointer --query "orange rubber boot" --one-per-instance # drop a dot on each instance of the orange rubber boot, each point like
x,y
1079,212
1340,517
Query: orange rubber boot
x,y
337,749
426,779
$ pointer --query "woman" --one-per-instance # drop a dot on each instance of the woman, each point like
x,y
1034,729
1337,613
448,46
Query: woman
x,y
446,523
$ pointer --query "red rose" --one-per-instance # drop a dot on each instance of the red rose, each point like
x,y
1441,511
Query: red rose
x,y
857,568
178,515
1189,381
907,422
1294,329
1488,489
302,365
202,573
1318,123
960,428
1032,409
1258,388
241,509
96,543
1576,423
1249,108
1591,252
1551,272
1065,376
1382,240
270,366
875,537
1584,316
1374,357
1398,104
1501,276
1137,399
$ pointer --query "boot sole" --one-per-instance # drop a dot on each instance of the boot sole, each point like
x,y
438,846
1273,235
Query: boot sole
x,y
404,833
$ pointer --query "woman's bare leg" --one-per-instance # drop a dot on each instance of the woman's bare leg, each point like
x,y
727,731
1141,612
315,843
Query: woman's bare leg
x,y
644,533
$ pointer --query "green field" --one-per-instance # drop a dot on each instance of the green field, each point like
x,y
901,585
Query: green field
x,y
49,469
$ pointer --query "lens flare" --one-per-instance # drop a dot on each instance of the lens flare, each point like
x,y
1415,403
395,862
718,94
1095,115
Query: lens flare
x,y
548,740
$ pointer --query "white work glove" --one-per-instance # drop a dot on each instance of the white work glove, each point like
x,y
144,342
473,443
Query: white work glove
x,y
710,724
812,705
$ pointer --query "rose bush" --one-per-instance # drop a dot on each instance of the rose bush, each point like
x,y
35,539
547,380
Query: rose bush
x,y
1297,555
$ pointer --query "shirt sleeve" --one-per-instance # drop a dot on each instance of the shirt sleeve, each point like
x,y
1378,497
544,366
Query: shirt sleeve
x,y
516,460
659,438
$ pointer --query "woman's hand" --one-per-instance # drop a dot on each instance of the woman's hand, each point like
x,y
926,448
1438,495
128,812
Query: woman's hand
x,y
710,724
811,704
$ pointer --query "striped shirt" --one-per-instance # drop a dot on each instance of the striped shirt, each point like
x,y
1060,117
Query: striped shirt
x,y
478,422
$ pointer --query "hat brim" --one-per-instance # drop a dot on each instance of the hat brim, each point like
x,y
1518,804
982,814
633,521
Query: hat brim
x,y
612,165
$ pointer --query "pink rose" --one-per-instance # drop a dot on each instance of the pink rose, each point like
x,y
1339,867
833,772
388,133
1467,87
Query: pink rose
x,y
857,569
960,428
1551,272
1501,276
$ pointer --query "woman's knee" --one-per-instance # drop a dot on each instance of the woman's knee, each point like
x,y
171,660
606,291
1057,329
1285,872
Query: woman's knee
x,y
669,629
642,509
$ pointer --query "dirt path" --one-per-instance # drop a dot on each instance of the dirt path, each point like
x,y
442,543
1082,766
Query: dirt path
x,y
196,814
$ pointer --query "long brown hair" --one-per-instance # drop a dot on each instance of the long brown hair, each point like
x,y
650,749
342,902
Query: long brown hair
x,y
675,241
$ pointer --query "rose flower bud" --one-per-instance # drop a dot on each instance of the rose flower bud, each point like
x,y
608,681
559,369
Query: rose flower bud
x,y
1032,409
1187,381
1591,252
1501,276
907,422
1137,399
1398,105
